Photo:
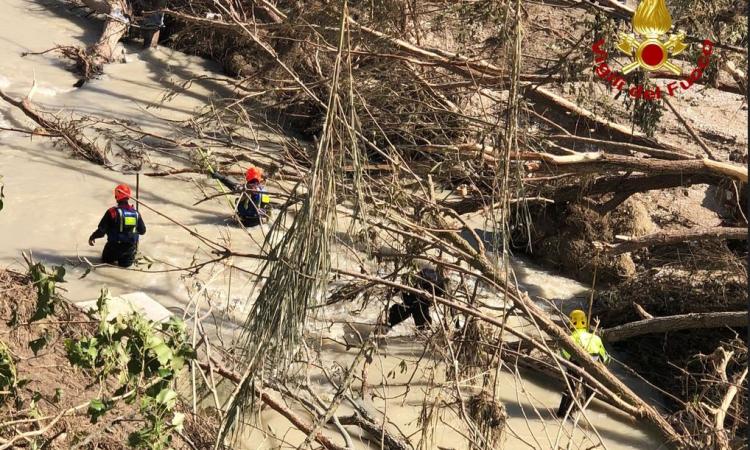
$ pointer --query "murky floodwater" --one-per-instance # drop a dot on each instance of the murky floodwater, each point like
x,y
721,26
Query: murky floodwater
x,y
54,202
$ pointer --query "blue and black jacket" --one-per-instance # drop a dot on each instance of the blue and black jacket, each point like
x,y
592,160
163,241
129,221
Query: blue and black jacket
x,y
122,224
251,204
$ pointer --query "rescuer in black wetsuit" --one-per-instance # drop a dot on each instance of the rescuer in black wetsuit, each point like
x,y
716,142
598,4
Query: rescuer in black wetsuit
x,y
418,305
122,224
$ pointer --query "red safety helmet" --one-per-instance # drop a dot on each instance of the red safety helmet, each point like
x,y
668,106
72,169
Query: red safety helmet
x,y
122,192
253,174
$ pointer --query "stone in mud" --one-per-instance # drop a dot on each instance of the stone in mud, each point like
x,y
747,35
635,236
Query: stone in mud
x,y
135,302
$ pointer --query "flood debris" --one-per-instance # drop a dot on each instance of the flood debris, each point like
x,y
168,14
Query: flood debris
x,y
403,138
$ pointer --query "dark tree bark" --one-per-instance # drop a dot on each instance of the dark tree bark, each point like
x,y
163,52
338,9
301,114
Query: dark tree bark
x,y
676,237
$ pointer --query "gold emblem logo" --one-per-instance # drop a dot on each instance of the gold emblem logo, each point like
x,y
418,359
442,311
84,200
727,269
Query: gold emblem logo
x,y
652,21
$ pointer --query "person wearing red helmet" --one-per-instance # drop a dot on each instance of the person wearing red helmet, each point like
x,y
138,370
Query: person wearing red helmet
x,y
122,224
253,202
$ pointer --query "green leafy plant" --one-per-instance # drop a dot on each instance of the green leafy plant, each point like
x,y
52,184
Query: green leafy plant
x,y
157,434
644,114
145,356
45,282
8,375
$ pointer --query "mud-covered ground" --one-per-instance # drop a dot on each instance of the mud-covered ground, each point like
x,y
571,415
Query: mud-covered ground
x,y
47,384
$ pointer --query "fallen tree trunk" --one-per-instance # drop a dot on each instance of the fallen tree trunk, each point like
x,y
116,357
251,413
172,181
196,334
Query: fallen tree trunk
x,y
615,130
620,147
675,237
596,161
723,410
115,27
675,323
631,184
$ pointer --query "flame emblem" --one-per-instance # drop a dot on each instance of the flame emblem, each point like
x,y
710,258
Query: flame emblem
x,y
652,21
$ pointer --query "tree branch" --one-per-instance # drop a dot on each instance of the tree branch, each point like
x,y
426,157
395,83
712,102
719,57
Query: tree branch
x,y
675,323
675,237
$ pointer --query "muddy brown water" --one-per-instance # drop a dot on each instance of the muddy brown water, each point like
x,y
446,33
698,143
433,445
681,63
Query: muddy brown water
x,y
53,202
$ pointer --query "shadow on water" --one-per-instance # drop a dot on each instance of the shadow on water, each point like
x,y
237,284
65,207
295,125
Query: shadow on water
x,y
89,32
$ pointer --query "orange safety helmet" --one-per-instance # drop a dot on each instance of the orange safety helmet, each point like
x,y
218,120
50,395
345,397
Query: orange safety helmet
x,y
122,192
253,174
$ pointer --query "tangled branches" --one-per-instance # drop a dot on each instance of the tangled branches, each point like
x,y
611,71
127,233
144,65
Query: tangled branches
x,y
717,384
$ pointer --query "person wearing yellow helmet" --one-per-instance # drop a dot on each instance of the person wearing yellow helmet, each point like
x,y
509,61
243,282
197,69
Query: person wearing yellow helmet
x,y
592,344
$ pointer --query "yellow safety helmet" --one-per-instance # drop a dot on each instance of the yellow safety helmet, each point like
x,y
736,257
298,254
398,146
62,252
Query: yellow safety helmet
x,y
578,319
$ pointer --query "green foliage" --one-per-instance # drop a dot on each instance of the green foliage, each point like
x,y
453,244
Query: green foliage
x,y
157,434
644,114
97,408
44,281
145,356
578,59
8,376
722,21
710,73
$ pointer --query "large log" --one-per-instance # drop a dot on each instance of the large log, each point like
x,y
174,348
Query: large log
x,y
115,27
599,161
676,237
632,184
619,147
675,323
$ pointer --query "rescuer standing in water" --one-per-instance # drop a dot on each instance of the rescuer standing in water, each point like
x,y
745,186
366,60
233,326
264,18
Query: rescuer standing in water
x,y
253,203
122,224
590,343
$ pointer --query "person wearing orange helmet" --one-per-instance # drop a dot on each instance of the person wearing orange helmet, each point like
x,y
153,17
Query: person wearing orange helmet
x,y
253,202
122,224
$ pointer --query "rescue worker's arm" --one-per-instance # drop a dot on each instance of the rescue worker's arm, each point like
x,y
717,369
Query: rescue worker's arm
x,y
141,227
603,354
101,229
228,182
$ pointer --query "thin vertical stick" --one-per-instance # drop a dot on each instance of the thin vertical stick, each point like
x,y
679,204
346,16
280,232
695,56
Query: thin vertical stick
x,y
593,289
